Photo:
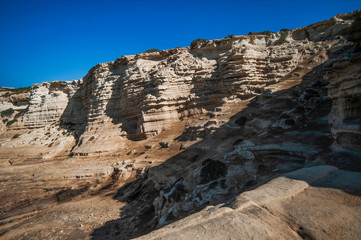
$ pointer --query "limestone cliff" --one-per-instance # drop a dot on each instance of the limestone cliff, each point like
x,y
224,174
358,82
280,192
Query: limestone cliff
x,y
143,95
47,103
343,71
166,134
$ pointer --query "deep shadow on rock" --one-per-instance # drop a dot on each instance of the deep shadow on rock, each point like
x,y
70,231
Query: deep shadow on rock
x,y
270,146
212,170
282,208
276,134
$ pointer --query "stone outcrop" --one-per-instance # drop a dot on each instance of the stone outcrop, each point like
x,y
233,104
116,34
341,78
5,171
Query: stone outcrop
x,y
47,103
343,71
14,98
13,104
284,128
146,93
277,211
167,134
143,95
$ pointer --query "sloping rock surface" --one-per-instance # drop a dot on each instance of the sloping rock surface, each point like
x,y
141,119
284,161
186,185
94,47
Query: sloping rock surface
x,y
253,136
311,203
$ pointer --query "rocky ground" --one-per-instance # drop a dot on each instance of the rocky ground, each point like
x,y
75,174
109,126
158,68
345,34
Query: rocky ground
x,y
288,207
243,137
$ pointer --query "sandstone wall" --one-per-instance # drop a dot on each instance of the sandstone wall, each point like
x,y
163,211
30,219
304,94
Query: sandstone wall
x,y
47,102
140,96
343,71
146,93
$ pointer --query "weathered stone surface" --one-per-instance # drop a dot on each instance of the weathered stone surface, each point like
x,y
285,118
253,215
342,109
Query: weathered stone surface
x,y
344,74
47,103
164,135
277,209
145,94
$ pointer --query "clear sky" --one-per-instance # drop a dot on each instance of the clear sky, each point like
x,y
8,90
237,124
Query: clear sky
x,y
46,40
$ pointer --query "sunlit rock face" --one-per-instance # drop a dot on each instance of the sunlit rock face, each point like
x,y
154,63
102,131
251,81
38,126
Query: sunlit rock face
x,y
194,130
47,103
145,94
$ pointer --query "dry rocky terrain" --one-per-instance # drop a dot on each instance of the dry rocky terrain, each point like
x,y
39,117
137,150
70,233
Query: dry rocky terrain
x,y
245,137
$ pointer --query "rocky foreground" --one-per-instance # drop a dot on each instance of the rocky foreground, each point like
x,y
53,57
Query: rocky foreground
x,y
255,136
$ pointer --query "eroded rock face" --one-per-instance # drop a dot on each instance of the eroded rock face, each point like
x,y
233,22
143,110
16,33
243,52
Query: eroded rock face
x,y
146,93
288,130
343,71
277,211
47,103
210,121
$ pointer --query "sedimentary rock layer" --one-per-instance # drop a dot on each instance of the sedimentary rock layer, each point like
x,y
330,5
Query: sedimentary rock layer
x,y
212,121
277,210
343,71
144,94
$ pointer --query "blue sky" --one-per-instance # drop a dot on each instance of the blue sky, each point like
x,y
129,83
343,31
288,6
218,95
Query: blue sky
x,y
47,40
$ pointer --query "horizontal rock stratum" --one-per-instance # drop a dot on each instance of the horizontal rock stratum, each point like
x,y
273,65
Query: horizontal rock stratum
x,y
244,137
